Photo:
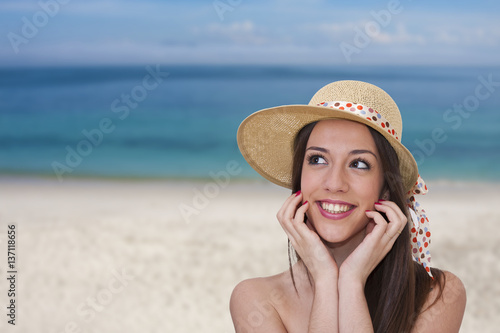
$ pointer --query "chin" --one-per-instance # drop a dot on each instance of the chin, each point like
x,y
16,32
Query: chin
x,y
335,234
330,235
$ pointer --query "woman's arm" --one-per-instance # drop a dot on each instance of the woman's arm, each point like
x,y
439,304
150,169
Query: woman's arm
x,y
324,312
381,234
354,315
319,262
443,314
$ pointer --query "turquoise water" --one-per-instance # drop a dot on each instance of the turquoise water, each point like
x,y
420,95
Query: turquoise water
x,y
80,122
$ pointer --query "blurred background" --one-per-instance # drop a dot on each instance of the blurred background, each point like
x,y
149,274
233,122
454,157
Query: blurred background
x,y
93,93
66,65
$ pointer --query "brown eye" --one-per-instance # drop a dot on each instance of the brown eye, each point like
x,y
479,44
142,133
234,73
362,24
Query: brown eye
x,y
316,159
360,164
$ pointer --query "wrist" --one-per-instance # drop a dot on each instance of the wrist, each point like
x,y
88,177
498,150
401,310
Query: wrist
x,y
349,282
325,282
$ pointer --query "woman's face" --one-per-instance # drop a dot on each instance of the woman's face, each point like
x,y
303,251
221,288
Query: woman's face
x,y
342,177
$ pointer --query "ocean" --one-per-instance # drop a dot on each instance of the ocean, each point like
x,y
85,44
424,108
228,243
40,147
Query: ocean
x,y
171,121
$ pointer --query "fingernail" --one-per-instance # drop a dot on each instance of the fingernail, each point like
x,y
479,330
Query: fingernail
x,y
305,202
377,203
367,210
297,194
381,200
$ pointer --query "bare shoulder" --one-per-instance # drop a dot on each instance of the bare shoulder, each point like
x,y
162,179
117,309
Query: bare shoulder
x,y
444,309
254,304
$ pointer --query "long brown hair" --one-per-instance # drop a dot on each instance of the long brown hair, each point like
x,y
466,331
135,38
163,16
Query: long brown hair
x,y
398,287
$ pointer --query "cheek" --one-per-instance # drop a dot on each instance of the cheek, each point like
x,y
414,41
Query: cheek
x,y
307,184
376,191
368,191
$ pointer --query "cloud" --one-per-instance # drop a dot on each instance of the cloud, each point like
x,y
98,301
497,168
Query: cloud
x,y
151,31
404,30
243,32
400,36
472,35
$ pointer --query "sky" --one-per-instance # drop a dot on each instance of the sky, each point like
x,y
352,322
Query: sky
x,y
401,32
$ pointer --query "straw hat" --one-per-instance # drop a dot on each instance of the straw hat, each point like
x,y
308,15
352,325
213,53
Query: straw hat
x,y
266,137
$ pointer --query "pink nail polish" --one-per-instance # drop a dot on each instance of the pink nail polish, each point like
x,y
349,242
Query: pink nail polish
x,y
381,200
377,203
367,210
304,203
298,193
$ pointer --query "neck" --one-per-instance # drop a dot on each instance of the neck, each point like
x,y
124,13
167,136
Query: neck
x,y
340,251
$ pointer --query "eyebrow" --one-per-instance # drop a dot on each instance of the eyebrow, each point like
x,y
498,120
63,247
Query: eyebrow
x,y
352,152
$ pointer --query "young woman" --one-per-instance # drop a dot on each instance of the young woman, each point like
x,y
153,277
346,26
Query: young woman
x,y
359,236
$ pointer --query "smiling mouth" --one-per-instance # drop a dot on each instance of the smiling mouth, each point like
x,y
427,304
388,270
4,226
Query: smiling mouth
x,y
336,208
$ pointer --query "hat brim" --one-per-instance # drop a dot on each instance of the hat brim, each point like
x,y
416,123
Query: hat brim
x,y
265,139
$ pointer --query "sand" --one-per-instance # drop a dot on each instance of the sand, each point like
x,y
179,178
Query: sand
x,y
164,256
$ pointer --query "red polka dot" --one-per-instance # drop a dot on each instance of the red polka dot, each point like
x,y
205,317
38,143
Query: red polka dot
x,y
360,107
422,220
426,244
413,230
341,108
428,270
392,132
428,234
383,125
348,105
414,239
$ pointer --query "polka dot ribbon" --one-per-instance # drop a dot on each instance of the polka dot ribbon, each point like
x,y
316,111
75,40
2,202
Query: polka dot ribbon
x,y
364,112
420,232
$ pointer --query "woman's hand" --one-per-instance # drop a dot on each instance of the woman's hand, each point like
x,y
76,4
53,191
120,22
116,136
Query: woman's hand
x,y
380,237
305,240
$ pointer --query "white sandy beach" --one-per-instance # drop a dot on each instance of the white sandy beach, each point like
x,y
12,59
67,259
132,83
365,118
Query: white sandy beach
x,y
118,256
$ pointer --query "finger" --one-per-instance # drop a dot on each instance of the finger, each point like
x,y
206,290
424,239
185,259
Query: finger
x,y
394,206
396,221
287,230
378,234
287,214
383,230
297,226
380,224
301,213
298,222
286,204
392,216
291,205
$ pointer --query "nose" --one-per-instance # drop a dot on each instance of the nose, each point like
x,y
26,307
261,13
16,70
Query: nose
x,y
335,180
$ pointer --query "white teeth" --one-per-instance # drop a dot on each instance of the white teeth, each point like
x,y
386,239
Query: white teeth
x,y
335,209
